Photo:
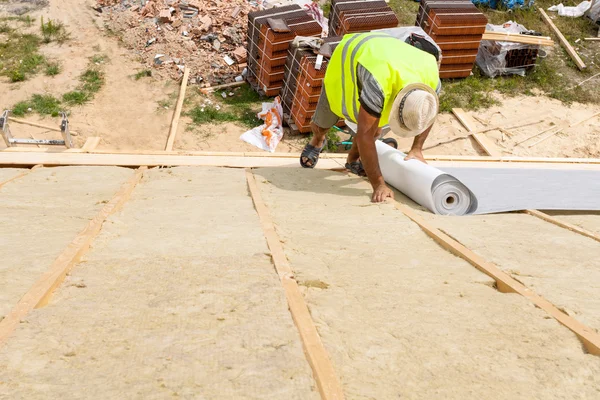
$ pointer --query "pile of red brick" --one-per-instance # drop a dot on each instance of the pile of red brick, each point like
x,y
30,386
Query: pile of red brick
x,y
351,16
457,27
269,34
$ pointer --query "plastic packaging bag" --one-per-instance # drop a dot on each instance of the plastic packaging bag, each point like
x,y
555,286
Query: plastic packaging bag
x,y
268,135
574,12
506,58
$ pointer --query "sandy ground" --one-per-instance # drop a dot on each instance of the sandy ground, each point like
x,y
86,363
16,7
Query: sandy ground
x,y
36,224
560,265
177,299
401,318
127,115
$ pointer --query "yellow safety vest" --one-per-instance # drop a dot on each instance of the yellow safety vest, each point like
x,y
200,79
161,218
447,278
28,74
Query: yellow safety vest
x,y
393,63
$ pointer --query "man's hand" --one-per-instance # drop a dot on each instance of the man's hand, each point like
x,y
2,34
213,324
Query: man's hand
x,y
381,193
415,155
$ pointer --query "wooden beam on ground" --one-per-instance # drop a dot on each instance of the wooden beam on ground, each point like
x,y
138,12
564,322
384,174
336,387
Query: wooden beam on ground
x,y
177,113
562,224
593,39
22,174
563,41
90,144
35,124
518,38
67,157
504,282
225,86
327,381
482,140
41,292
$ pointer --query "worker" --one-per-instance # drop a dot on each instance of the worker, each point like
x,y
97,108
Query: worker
x,y
373,80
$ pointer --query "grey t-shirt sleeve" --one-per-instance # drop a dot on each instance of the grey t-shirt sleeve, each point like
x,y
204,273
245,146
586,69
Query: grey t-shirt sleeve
x,y
371,95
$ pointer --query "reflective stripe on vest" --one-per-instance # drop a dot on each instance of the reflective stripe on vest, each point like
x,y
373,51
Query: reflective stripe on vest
x,y
393,64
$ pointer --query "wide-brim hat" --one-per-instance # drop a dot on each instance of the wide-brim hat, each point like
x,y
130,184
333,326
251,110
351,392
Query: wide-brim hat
x,y
418,112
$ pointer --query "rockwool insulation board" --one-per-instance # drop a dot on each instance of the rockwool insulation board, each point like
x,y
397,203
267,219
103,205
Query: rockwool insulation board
x,y
476,188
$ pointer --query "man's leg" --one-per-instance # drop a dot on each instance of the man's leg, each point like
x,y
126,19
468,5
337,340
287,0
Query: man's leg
x,y
321,123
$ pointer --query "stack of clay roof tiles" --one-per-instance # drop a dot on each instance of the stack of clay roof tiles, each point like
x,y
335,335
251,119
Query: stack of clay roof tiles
x,y
303,84
457,27
351,16
268,45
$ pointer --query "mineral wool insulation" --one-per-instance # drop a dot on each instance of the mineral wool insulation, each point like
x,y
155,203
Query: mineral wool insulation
x,y
481,188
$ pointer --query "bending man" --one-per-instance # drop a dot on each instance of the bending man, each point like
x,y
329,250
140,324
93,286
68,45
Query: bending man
x,y
374,79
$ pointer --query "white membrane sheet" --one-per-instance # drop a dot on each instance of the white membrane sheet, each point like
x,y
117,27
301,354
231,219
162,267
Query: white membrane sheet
x,y
476,189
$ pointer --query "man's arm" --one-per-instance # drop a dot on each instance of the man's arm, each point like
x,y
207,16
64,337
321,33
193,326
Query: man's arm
x,y
365,139
416,151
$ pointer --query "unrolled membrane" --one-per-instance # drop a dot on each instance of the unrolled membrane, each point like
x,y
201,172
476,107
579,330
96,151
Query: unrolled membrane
x,y
435,190
484,188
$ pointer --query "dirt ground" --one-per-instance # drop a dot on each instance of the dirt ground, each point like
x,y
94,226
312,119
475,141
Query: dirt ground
x,y
130,114
392,306
177,299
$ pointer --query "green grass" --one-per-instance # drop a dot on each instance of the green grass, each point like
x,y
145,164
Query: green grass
x,y
42,104
143,74
53,31
92,80
19,56
52,68
76,98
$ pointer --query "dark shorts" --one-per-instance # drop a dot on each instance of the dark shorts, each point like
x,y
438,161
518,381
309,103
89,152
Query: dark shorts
x,y
324,118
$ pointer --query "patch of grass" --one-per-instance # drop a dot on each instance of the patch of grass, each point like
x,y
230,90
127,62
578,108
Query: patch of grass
x,y
76,98
92,80
209,114
54,31
52,68
4,28
143,74
244,95
19,56
206,115
42,104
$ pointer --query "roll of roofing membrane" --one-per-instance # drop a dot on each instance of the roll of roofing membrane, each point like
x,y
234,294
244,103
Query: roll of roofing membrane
x,y
483,187
439,192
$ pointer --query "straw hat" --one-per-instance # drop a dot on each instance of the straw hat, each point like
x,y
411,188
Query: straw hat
x,y
414,110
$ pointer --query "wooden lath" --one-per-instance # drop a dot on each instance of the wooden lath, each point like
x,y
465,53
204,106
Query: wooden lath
x,y
327,381
504,282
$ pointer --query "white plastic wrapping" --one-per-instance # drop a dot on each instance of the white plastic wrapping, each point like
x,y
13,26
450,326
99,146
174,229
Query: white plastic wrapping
x,y
573,12
268,135
492,56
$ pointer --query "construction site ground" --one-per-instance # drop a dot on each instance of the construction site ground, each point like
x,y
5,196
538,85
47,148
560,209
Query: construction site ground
x,y
178,295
